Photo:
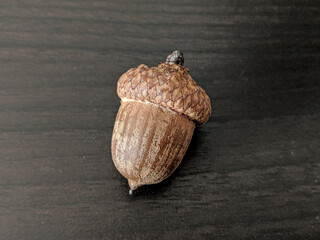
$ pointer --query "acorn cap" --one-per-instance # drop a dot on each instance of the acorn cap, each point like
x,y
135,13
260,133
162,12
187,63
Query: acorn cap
x,y
169,85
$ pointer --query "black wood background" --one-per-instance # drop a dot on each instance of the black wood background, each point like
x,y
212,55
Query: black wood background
x,y
251,172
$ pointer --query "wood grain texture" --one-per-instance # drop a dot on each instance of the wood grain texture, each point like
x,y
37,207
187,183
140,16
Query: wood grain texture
x,y
252,172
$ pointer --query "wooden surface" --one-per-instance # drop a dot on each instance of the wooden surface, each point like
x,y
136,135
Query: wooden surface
x,y
251,172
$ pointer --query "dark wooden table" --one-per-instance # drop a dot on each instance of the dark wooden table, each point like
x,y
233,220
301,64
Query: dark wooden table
x,y
251,172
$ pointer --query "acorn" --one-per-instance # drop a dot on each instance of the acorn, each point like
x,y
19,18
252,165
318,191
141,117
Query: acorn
x,y
160,107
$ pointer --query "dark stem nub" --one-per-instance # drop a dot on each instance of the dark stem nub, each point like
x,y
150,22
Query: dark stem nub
x,y
175,57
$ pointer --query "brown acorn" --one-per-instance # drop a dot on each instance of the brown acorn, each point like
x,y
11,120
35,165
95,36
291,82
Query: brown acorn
x,y
155,122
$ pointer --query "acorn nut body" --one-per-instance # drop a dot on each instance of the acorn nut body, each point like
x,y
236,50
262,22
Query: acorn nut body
x,y
155,122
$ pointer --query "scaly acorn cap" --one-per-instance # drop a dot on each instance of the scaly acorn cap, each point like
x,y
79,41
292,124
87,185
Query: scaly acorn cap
x,y
169,85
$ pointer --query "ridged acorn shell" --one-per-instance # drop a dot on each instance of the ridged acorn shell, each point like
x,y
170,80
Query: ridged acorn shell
x,y
149,142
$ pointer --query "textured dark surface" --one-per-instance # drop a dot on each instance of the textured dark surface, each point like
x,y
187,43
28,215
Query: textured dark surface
x,y
251,172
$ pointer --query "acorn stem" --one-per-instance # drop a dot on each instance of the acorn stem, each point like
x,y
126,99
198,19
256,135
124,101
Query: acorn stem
x,y
176,57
